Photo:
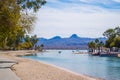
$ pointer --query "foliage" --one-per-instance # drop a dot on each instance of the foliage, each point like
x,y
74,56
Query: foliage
x,y
9,17
30,4
93,45
27,42
110,33
33,40
113,36
39,47
116,42
26,22
15,22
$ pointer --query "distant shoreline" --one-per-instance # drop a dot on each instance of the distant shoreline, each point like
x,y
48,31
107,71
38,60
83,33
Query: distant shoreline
x,y
64,49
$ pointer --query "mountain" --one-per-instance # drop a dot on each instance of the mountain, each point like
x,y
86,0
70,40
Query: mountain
x,y
56,37
73,42
74,36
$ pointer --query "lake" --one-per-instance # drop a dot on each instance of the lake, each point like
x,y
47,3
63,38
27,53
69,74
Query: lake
x,y
101,67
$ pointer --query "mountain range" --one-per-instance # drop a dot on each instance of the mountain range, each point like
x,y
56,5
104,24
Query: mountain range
x,y
72,42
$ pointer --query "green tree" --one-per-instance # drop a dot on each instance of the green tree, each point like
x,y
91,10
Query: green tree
x,y
30,4
9,17
15,20
96,41
34,40
113,36
110,33
108,42
95,45
27,42
101,43
117,31
92,46
116,42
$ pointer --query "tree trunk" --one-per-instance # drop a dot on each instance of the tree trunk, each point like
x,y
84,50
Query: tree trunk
x,y
5,43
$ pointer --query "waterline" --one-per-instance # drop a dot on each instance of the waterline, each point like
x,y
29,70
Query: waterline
x,y
101,67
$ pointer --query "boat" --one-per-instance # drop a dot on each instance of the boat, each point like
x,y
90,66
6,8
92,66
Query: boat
x,y
59,52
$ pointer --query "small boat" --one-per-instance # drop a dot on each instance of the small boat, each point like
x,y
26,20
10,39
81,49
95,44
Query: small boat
x,y
59,52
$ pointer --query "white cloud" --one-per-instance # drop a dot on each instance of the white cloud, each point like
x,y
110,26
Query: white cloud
x,y
87,1
84,20
116,0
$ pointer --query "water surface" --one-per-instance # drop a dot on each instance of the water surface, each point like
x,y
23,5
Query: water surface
x,y
100,67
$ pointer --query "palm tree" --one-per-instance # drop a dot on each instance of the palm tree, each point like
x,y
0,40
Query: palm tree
x,y
34,40
92,46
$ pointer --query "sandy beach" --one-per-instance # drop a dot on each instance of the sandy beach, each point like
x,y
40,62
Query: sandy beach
x,y
28,69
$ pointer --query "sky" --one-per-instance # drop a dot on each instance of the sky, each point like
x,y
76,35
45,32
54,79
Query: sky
x,y
86,18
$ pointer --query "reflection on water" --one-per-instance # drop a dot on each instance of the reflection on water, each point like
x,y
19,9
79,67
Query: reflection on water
x,y
101,67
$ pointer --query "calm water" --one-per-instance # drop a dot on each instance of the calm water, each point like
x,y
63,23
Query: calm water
x,y
101,67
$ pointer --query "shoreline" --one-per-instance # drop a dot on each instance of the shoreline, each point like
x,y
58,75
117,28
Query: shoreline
x,y
41,69
67,70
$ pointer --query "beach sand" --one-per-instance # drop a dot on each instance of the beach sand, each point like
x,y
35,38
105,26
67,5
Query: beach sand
x,y
28,69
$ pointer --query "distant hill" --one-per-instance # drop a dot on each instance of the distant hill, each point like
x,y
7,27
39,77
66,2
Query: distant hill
x,y
73,42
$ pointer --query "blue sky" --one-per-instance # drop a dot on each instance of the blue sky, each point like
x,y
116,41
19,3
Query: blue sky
x,y
87,18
